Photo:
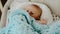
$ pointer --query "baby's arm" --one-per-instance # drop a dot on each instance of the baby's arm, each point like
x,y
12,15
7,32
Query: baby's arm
x,y
43,21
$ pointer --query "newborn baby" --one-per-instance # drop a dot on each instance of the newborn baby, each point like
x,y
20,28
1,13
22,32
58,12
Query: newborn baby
x,y
36,12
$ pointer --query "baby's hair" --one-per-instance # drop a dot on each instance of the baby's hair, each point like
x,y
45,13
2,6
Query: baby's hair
x,y
38,8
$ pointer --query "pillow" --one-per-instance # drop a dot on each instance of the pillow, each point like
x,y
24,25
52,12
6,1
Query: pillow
x,y
46,13
17,3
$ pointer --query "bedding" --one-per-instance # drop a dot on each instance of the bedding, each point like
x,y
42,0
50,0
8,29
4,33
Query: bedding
x,y
56,18
46,12
20,22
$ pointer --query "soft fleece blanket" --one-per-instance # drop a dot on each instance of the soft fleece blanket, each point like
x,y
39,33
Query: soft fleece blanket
x,y
20,22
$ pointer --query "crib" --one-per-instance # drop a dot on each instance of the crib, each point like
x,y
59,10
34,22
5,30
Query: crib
x,y
55,12
1,8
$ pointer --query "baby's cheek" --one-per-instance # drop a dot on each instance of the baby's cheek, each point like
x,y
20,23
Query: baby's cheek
x,y
33,16
36,17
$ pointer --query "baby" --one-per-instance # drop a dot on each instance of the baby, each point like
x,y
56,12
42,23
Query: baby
x,y
36,12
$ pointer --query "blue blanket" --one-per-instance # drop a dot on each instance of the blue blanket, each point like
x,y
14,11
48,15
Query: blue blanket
x,y
20,22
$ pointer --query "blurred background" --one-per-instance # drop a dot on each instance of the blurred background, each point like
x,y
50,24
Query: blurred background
x,y
3,2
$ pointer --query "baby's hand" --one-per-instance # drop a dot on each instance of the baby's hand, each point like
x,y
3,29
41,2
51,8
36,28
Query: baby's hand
x,y
43,21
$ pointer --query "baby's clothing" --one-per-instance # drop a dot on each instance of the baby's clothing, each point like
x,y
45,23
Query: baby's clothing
x,y
20,22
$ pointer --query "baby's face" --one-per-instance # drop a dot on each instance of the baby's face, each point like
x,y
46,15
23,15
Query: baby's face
x,y
34,11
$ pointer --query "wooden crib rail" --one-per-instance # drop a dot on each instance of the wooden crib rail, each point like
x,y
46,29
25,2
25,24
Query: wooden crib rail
x,y
4,13
1,9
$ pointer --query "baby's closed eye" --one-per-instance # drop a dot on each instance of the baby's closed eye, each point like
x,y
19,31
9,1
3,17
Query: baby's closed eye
x,y
30,12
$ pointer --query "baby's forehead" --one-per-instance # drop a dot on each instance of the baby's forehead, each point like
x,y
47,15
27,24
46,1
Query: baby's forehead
x,y
33,6
36,6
